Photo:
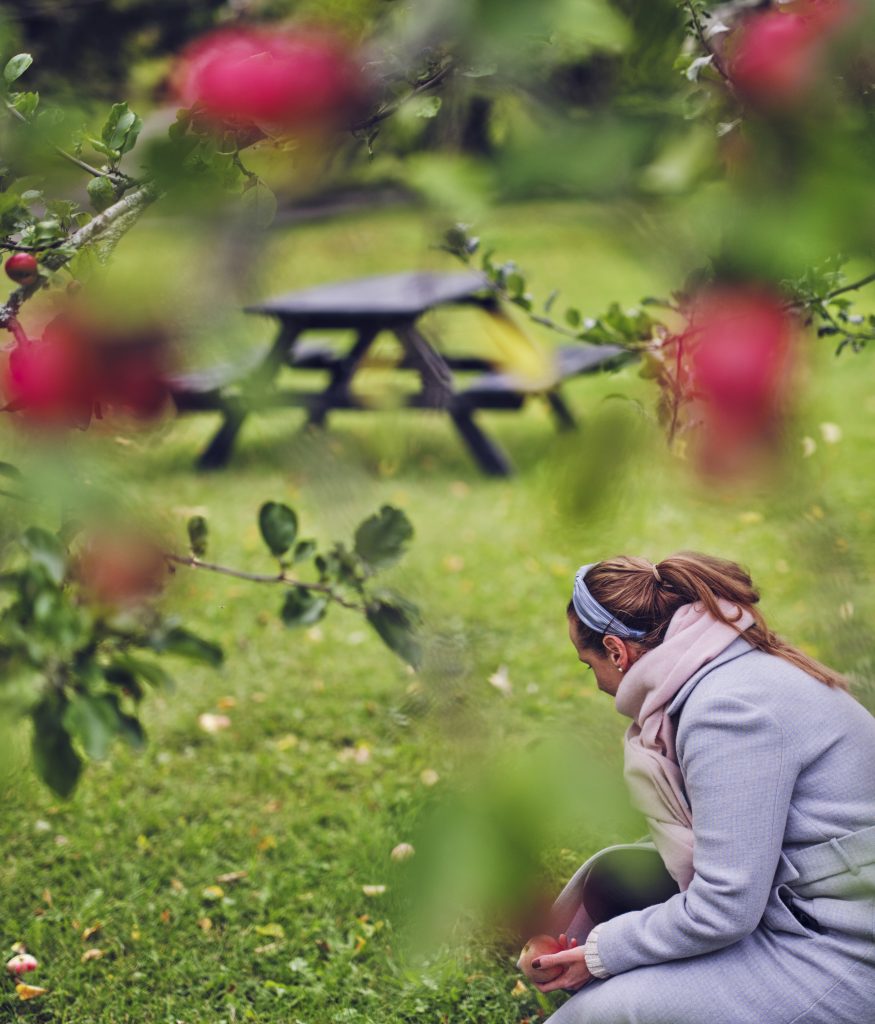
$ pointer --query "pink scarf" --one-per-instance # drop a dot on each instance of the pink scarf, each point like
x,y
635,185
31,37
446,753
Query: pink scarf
x,y
655,782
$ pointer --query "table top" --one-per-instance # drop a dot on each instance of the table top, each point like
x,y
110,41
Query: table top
x,y
386,298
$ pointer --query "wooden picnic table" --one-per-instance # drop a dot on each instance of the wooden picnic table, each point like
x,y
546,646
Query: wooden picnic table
x,y
369,307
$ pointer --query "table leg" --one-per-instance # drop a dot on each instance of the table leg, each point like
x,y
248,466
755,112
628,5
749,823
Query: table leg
x,y
341,378
489,456
218,451
436,376
234,411
559,407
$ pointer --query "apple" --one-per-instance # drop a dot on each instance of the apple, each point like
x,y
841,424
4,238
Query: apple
x,y
50,380
120,568
21,963
741,341
22,268
743,345
777,56
293,80
540,945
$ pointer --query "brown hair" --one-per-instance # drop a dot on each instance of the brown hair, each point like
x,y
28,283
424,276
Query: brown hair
x,y
645,596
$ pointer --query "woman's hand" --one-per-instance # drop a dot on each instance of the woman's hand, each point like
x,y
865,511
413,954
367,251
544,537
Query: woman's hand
x,y
575,974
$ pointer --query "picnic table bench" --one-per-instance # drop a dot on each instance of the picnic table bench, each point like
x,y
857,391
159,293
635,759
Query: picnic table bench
x,y
369,307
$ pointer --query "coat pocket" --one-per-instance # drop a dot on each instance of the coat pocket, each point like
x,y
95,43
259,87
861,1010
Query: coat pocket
x,y
783,914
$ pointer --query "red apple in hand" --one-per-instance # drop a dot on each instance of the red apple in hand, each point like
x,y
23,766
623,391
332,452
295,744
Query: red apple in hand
x,y
540,945
22,268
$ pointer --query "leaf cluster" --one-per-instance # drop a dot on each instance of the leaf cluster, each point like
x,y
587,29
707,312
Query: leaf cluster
x,y
92,664
342,574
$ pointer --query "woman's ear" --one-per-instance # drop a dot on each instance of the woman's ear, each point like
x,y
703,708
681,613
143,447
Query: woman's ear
x,y
617,652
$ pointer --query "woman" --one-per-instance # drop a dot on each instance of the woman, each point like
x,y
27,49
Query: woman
x,y
756,771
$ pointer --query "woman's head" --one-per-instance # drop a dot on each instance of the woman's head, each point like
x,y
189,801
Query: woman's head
x,y
640,599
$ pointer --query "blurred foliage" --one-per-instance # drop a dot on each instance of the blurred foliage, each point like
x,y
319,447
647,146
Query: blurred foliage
x,y
81,625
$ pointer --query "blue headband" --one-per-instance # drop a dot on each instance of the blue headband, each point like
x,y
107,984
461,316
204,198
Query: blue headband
x,y
596,616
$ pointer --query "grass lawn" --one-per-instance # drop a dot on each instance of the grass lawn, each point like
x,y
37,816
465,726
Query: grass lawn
x,y
336,752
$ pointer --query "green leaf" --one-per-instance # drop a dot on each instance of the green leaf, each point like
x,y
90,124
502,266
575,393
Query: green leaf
x,y
428,107
94,722
186,644
130,728
197,535
26,103
303,607
573,317
278,525
121,129
101,147
516,284
16,67
119,675
46,550
396,622
10,471
152,673
55,760
381,539
304,549
260,204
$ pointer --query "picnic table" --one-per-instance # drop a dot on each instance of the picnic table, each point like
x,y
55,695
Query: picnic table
x,y
369,307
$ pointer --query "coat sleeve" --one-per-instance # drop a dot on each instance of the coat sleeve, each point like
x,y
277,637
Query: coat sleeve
x,y
739,771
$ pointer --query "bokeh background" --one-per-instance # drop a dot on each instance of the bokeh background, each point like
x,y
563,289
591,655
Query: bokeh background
x,y
247,874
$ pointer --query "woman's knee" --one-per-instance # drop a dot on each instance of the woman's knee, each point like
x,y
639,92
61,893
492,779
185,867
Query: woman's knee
x,y
588,1006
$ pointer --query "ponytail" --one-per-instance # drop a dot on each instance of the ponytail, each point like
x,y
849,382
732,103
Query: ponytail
x,y
645,596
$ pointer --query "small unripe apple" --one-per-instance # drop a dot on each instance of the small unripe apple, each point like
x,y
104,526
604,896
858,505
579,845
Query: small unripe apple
x,y
22,268
102,193
21,963
540,945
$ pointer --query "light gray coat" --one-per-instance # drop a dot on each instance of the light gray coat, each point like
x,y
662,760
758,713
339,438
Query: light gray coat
x,y
778,924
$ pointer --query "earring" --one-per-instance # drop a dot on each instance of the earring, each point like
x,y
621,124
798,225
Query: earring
x,y
619,669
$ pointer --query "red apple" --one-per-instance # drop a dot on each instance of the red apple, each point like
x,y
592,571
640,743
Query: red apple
x,y
51,381
293,79
22,268
741,340
538,946
120,567
743,343
776,58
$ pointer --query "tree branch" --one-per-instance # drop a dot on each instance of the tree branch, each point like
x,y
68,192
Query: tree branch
x,y
126,210
868,279
116,176
381,115
253,577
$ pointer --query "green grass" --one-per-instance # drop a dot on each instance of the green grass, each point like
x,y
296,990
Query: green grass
x,y
528,781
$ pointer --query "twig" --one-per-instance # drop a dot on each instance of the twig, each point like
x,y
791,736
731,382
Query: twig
x,y
6,243
868,279
116,176
17,330
135,201
390,109
254,577
126,209
708,48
